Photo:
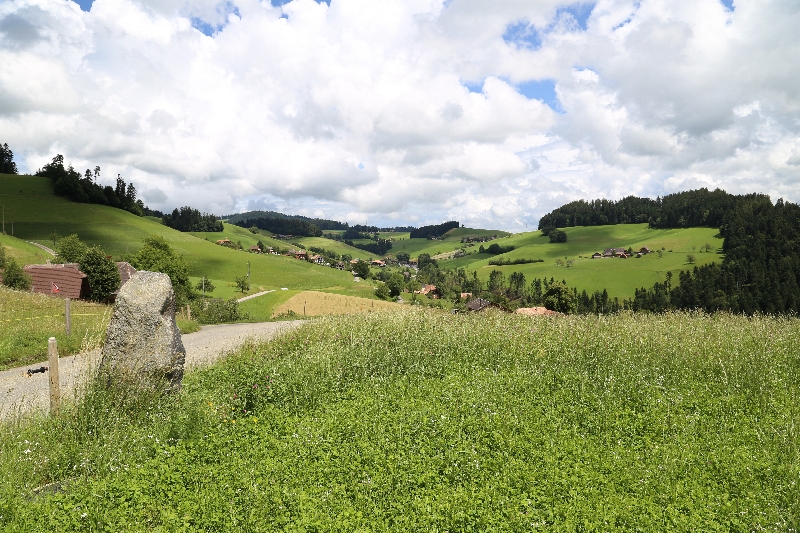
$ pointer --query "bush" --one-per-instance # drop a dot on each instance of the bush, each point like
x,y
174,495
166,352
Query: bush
x,y
217,311
558,236
70,249
382,291
101,274
361,269
2,257
14,277
157,256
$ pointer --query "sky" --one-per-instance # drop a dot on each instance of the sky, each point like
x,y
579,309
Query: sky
x,y
406,112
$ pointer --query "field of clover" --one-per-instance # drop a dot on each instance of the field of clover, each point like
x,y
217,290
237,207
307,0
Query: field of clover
x,y
427,421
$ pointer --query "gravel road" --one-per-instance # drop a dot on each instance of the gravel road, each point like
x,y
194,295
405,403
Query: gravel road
x,y
20,395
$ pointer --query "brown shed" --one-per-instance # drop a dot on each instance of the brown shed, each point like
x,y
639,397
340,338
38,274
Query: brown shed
x,y
66,280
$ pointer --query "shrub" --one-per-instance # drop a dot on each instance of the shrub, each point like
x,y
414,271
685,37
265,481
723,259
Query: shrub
x,y
157,256
2,257
382,291
70,249
558,236
217,311
101,274
14,277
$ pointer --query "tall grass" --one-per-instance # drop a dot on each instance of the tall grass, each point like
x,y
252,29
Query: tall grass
x,y
437,422
27,320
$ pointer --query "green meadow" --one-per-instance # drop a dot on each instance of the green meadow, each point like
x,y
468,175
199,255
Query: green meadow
x,y
619,276
37,212
427,421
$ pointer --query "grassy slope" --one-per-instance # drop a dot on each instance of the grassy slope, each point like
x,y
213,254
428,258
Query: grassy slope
x,y
334,246
37,212
28,320
618,276
434,422
22,252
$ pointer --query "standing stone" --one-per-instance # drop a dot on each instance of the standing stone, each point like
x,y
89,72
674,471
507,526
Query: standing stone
x,y
143,344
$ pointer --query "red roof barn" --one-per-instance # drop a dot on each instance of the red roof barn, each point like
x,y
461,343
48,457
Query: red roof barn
x,y
66,280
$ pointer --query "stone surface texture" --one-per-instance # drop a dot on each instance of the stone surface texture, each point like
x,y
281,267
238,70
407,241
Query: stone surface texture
x,y
143,344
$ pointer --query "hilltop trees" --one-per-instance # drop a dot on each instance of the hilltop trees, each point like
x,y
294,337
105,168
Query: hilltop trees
x,y
7,164
188,219
84,188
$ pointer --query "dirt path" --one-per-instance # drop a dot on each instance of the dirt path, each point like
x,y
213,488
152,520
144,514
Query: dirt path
x,y
256,295
43,247
20,395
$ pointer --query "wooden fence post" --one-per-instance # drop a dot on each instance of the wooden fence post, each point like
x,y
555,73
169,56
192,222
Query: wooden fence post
x,y
68,314
188,312
55,386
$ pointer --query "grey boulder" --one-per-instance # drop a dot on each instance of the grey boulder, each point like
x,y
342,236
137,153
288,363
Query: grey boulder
x,y
143,344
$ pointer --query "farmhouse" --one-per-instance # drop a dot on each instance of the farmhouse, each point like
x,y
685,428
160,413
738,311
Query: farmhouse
x,y
429,290
224,242
255,249
611,252
378,263
597,255
645,250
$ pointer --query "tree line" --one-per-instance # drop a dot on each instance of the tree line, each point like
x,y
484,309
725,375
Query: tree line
x,y
85,188
7,164
697,208
759,274
435,230
188,219
282,226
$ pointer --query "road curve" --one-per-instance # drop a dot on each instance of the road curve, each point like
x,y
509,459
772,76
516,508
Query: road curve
x,y
21,395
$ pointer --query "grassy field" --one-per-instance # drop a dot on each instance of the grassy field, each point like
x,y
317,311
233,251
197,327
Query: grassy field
x,y
313,303
426,421
37,212
28,320
23,252
619,276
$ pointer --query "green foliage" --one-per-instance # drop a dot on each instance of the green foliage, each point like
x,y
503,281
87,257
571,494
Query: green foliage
x,y
14,277
691,259
424,259
7,164
101,274
2,257
158,256
361,269
217,311
71,249
243,283
188,219
557,236
382,291
403,257
559,297
70,183
204,285
424,421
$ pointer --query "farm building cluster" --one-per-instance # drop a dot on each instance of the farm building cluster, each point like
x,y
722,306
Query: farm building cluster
x,y
622,253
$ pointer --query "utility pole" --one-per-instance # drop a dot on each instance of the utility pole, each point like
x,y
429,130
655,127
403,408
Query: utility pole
x,y
4,219
248,271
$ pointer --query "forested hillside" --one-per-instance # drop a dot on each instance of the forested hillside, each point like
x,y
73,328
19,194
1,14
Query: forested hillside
x,y
688,209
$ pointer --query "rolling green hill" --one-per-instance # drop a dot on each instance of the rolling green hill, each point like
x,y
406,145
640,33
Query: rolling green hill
x,y
37,212
619,276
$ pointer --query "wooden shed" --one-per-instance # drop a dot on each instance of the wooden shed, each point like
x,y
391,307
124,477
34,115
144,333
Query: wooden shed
x,y
65,281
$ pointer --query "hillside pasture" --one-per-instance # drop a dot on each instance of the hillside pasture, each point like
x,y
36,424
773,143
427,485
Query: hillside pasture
x,y
619,276
23,252
37,212
427,421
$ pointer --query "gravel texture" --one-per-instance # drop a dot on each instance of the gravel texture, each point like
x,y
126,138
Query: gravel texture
x,y
21,395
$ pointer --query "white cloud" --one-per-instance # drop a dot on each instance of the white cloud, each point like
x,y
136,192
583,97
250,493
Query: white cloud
x,y
360,110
